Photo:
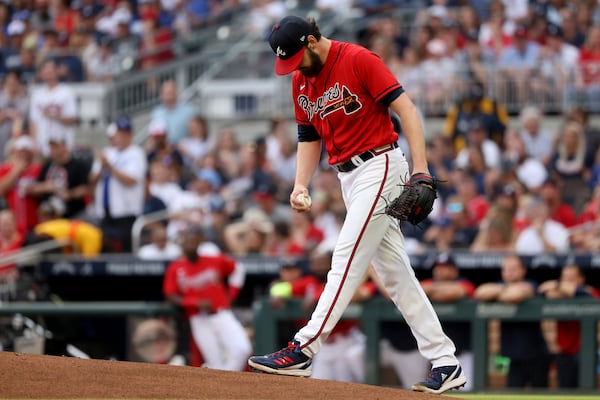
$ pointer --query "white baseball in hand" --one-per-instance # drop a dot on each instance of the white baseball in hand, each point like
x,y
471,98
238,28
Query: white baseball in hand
x,y
304,199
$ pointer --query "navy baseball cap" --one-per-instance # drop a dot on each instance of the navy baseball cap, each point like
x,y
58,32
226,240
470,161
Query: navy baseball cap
x,y
287,39
123,124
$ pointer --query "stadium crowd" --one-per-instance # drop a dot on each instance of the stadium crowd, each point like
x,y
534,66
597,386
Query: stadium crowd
x,y
507,183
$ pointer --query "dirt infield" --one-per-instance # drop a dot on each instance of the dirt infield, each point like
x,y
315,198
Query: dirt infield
x,y
27,376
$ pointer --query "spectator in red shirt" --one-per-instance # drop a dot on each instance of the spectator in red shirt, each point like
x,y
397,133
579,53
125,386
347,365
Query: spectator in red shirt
x,y
156,41
588,79
10,241
19,172
65,18
568,335
559,211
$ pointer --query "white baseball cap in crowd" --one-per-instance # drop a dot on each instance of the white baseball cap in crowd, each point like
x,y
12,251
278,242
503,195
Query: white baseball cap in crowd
x,y
111,129
157,127
57,137
23,142
16,27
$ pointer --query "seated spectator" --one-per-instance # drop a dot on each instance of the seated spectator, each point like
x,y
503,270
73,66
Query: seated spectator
x,y
63,178
283,169
550,193
517,65
476,62
585,236
522,342
160,149
454,228
558,64
475,104
14,107
538,141
156,47
282,244
103,64
439,69
174,113
447,286
159,248
200,206
16,174
304,232
250,235
472,196
85,239
163,182
229,155
591,133
126,46
196,144
543,235
568,163
527,170
478,137
496,233
588,77
16,31
65,17
570,285
10,242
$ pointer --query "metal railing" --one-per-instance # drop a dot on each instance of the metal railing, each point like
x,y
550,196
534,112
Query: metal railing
x,y
140,223
373,312
32,253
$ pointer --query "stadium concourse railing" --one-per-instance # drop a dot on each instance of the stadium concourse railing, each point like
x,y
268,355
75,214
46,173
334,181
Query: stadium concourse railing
x,y
372,313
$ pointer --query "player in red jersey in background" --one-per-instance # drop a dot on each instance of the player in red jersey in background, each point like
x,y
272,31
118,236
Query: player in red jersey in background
x,y
342,94
205,286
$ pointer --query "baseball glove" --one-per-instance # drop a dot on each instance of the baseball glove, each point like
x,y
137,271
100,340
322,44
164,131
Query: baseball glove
x,y
416,200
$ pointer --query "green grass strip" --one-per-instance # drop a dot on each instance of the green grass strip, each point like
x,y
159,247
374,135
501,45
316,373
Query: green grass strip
x,y
498,396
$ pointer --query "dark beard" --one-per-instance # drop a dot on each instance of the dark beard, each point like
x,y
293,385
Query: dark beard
x,y
315,65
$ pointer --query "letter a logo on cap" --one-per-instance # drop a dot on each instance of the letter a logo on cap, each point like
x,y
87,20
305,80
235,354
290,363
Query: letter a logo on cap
x,y
288,40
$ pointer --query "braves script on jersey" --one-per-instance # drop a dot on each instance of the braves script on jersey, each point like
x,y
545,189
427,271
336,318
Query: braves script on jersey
x,y
344,105
202,280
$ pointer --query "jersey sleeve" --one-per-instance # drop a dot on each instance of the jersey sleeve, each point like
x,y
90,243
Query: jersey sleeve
x,y
297,81
369,65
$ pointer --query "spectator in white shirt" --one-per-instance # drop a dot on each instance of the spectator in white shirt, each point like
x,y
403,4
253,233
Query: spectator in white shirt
x,y
119,174
543,235
160,248
477,136
538,141
53,109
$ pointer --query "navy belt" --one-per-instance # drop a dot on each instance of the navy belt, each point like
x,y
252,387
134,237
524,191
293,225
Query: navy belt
x,y
357,160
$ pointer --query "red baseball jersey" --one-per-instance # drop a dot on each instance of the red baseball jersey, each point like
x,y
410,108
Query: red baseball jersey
x,y
200,280
24,207
343,101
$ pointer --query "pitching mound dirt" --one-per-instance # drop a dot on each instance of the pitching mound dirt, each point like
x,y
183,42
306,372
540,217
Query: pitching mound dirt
x,y
34,376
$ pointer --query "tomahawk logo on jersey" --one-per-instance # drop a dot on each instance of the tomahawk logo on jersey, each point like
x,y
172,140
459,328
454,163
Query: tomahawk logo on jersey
x,y
332,100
